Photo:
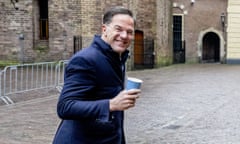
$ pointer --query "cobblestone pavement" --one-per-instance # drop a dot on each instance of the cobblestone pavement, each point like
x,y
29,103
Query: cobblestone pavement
x,y
179,104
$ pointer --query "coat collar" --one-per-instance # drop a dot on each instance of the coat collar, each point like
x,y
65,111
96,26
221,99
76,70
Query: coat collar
x,y
107,49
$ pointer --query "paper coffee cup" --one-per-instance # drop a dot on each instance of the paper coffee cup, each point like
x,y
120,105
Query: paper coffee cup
x,y
133,83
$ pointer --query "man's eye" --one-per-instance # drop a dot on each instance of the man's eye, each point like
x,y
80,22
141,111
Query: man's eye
x,y
118,29
130,32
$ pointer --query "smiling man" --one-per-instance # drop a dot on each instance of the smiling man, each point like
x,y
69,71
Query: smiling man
x,y
92,102
118,32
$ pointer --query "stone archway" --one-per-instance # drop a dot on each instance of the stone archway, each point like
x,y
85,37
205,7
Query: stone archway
x,y
221,51
210,47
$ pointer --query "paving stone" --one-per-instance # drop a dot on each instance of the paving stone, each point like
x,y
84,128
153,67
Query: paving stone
x,y
179,104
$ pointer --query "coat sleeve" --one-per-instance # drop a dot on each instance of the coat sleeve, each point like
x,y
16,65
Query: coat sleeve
x,y
78,99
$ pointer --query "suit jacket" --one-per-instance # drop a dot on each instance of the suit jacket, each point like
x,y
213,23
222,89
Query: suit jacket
x,y
92,77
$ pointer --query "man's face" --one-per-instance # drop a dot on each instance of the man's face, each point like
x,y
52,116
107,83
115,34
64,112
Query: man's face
x,y
119,33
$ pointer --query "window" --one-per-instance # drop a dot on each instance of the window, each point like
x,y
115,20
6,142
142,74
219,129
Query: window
x,y
43,19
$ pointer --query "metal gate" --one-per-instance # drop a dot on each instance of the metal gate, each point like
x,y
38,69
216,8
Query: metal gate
x,y
28,77
145,58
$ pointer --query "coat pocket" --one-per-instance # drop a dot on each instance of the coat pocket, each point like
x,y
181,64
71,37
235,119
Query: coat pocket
x,y
99,127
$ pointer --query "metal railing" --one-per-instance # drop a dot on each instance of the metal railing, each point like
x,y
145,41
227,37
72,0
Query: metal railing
x,y
179,51
60,68
26,77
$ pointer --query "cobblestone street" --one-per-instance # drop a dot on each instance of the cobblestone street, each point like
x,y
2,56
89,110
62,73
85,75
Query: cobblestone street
x,y
179,104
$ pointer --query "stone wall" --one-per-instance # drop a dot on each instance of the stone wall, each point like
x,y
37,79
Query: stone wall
x,y
163,45
12,24
64,23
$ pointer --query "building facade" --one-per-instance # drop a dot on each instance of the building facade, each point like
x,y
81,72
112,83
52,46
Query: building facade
x,y
199,30
233,32
49,30
167,31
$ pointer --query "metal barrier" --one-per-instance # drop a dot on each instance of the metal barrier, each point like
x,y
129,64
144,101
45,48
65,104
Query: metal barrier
x,y
60,67
27,77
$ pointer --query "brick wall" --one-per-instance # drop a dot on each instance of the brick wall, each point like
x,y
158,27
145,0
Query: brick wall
x,y
202,15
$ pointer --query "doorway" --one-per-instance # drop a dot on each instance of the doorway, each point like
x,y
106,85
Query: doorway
x,y
138,48
178,42
210,48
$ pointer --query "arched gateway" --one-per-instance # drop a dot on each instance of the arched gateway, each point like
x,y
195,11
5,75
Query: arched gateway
x,y
211,46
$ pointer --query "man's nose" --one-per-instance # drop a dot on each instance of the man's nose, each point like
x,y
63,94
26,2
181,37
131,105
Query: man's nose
x,y
123,34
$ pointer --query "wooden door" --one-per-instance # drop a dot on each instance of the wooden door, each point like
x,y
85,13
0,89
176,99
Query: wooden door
x,y
138,48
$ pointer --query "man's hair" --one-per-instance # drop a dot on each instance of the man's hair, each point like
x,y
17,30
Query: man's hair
x,y
107,18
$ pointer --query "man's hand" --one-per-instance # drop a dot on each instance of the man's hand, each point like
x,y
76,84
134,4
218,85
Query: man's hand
x,y
124,100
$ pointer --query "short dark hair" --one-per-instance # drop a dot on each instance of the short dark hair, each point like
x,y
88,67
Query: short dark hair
x,y
107,18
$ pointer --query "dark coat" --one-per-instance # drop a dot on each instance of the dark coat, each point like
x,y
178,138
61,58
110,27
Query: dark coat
x,y
93,76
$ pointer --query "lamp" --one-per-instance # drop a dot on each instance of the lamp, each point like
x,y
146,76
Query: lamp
x,y
175,4
223,21
192,2
15,4
181,6
223,17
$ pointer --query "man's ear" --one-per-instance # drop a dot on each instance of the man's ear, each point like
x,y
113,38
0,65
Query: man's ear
x,y
104,29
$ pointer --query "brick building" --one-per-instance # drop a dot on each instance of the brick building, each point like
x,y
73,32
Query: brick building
x,y
198,30
167,31
47,30
207,31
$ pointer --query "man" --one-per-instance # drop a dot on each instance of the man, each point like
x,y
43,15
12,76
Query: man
x,y
93,98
